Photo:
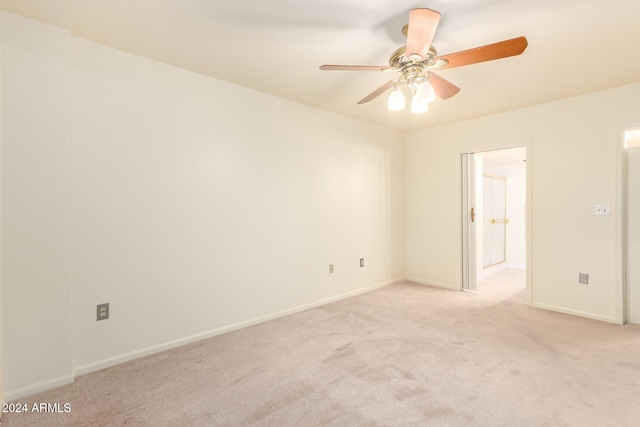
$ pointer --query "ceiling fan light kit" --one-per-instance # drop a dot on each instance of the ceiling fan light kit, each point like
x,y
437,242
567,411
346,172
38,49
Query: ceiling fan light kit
x,y
417,62
396,100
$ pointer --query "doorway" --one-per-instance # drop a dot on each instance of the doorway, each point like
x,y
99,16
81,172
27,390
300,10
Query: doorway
x,y
495,218
632,225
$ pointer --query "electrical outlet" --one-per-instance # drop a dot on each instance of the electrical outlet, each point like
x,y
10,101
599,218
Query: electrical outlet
x,y
102,311
361,262
331,268
583,278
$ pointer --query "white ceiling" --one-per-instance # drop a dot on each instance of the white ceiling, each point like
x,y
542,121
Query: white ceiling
x,y
575,46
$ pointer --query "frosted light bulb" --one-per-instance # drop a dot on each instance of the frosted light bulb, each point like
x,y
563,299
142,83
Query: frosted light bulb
x,y
396,100
425,93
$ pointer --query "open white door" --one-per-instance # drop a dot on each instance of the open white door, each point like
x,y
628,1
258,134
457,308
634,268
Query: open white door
x,y
471,193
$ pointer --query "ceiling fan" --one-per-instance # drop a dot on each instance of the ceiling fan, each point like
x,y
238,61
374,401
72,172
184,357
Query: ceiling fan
x,y
418,61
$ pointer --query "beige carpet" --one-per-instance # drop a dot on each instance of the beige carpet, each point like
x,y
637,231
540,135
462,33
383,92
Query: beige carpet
x,y
399,356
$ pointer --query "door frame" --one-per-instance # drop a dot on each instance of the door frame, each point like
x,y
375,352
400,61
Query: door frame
x,y
620,304
468,240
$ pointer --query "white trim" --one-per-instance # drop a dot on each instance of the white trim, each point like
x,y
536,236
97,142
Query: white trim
x,y
574,312
620,297
2,393
434,284
487,271
38,387
620,283
116,360
529,221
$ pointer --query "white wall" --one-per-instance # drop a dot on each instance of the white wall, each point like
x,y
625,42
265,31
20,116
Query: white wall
x,y
36,196
573,161
198,206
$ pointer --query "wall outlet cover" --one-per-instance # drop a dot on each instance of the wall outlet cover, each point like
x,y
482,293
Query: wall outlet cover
x,y
583,278
361,262
102,311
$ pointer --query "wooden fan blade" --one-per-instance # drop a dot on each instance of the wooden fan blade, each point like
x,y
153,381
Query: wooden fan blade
x,y
378,92
422,28
356,67
444,89
503,49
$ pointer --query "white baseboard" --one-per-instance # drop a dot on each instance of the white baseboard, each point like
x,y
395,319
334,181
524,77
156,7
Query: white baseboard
x,y
432,283
37,388
490,270
574,312
116,360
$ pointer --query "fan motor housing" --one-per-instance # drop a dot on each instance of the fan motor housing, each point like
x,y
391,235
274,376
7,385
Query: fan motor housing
x,y
399,58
